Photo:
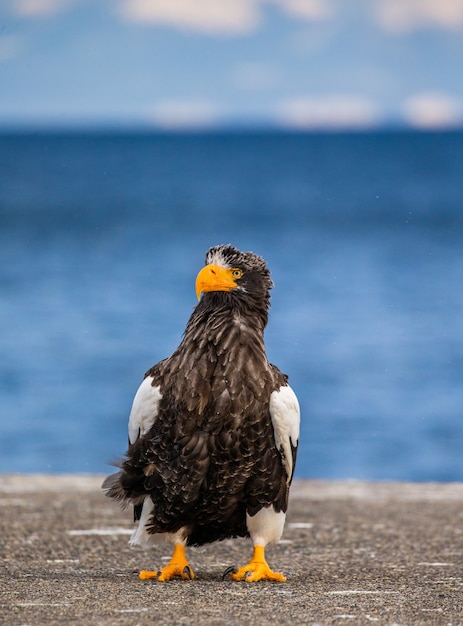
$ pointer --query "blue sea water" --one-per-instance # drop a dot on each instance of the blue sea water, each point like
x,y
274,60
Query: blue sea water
x,y
101,238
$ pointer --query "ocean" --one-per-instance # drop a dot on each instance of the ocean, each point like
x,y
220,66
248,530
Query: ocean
x,y
102,235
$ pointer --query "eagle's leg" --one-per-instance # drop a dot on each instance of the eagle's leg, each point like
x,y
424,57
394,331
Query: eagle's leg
x,y
257,569
266,526
177,566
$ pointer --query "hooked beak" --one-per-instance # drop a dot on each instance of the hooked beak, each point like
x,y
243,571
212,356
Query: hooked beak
x,y
214,278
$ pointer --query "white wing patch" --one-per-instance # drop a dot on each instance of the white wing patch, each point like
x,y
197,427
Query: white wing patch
x,y
286,417
145,408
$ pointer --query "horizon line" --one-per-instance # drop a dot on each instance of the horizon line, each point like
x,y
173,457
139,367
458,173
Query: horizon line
x,y
26,127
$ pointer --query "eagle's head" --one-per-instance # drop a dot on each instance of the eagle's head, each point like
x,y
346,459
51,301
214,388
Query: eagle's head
x,y
243,275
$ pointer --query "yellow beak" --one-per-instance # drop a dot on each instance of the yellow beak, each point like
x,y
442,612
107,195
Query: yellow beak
x,y
214,278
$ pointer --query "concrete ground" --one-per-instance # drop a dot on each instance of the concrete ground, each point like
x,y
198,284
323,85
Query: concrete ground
x,y
353,552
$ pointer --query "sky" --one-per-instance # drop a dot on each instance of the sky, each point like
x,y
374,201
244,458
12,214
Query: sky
x,y
194,64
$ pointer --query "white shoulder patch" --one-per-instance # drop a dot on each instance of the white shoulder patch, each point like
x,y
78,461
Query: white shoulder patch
x,y
145,408
286,417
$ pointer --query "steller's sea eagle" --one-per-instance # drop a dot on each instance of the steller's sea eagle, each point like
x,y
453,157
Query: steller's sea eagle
x,y
213,430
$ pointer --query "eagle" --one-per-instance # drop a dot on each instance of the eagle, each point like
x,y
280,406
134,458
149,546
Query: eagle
x,y
214,428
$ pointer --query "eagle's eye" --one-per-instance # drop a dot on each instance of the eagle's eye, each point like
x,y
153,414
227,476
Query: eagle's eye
x,y
237,273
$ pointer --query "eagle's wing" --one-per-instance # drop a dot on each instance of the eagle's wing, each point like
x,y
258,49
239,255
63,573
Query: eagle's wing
x,y
285,414
145,409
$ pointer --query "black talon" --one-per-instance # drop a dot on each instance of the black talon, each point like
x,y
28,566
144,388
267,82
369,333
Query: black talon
x,y
187,571
246,574
228,571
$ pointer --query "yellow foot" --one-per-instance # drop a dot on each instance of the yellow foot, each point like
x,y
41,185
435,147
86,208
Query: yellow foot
x,y
146,574
177,566
257,569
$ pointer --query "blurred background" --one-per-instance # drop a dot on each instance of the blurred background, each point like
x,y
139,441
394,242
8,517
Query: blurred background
x,y
325,135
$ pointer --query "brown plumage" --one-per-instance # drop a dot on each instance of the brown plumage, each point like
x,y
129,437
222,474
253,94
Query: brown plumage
x,y
206,460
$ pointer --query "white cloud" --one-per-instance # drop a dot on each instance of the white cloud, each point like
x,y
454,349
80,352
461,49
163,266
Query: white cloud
x,y
331,111
209,16
433,110
183,114
401,16
222,17
307,9
39,8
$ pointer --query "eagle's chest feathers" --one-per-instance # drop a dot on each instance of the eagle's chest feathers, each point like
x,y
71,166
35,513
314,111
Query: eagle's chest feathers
x,y
220,374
